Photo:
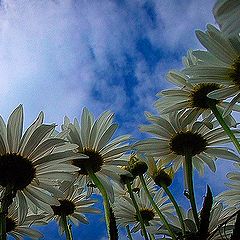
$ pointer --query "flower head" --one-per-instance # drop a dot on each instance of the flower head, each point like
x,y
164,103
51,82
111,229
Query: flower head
x,y
28,162
175,137
74,204
18,228
232,196
220,64
125,212
218,215
94,140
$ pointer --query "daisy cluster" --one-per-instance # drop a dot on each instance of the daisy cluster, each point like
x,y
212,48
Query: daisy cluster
x,y
48,175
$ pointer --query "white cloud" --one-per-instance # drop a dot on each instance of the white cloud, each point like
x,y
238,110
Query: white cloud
x,y
178,21
58,56
52,53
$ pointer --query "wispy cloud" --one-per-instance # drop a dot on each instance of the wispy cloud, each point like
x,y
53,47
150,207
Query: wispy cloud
x,y
59,56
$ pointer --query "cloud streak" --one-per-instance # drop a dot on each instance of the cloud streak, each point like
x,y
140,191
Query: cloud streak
x,y
59,56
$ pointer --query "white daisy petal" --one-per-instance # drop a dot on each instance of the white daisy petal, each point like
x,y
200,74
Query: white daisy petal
x,y
14,129
224,153
26,231
36,137
3,133
41,195
30,130
23,210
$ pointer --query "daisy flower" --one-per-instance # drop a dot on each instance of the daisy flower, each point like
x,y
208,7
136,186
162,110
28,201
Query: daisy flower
x,y
174,136
74,205
28,164
19,229
226,13
125,212
232,196
218,215
192,97
220,64
94,140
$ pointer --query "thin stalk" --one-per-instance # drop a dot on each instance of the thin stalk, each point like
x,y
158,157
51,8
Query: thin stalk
x,y
7,199
171,197
106,203
67,228
139,216
163,219
226,128
151,236
189,176
129,232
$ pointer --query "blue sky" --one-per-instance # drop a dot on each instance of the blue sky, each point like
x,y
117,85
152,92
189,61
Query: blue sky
x,y
59,56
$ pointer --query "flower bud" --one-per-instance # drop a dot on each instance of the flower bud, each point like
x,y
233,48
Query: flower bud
x,y
137,167
163,178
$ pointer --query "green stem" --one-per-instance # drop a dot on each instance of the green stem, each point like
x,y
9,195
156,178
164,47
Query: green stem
x,y
162,218
171,197
226,128
139,216
106,203
151,236
67,228
7,199
129,232
189,176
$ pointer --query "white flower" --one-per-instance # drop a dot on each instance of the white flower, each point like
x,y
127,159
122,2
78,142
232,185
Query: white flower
x,y
218,215
232,196
174,136
28,164
74,205
18,229
94,140
219,65
125,212
190,97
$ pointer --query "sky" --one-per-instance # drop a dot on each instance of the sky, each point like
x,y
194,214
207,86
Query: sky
x,y
59,56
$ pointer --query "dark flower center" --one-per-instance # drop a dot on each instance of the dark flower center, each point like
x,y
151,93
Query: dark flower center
x,y
66,208
188,142
93,163
10,224
16,171
234,73
199,94
147,215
